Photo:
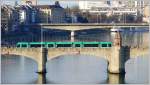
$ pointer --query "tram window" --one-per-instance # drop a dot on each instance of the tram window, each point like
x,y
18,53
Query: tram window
x,y
64,45
77,45
37,45
104,45
109,45
24,45
18,45
90,45
50,45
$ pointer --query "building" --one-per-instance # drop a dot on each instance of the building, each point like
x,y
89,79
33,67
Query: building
x,y
15,20
29,2
51,13
146,17
21,13
88,5
27,14
6,18
147,11
30,14
113,6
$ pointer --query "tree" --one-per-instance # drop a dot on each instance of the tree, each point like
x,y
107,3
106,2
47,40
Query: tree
x,y
81,19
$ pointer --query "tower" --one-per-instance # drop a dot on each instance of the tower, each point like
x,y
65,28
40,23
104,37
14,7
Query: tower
x,y
29,2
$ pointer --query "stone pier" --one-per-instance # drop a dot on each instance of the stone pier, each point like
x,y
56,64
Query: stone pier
x,y
42,61
119,55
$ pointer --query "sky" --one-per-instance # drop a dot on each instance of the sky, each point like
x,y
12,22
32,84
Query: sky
x,y
63,3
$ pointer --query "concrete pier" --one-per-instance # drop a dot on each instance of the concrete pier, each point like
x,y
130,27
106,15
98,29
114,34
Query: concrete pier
x,y
72,36
42,61
119,55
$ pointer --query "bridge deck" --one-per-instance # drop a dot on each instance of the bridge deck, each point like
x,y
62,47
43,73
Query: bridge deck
x,y
84,26
92,24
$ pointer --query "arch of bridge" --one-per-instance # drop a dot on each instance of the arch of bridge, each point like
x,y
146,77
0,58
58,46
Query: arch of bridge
x,y
77,55
97,52
36,53
19,55
33,53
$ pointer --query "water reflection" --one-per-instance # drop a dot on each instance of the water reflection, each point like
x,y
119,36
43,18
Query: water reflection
x,y
137,70
72,69
41,79
77,69
116,78
18,70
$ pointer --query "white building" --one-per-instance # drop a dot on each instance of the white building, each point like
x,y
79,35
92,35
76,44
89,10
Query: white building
x,y
146,17
112,6
87,5
22,16
29,2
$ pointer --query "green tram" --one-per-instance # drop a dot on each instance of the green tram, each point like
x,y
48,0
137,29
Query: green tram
x,y
64,44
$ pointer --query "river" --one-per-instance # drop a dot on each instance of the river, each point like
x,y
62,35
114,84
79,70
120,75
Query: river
x,y
71,69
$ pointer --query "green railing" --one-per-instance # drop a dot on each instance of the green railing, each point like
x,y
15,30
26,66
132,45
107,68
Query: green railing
x,y
64,44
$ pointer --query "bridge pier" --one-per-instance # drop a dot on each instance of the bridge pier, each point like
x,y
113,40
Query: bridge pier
x,y
42,61
72,36
118,56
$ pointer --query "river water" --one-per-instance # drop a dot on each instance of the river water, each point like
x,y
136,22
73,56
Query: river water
x,y
79,68
72,69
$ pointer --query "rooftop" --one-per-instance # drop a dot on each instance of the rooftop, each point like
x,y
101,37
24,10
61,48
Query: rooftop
x,y
47,6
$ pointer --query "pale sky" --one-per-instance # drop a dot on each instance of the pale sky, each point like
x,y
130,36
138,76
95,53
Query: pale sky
x,y
63,3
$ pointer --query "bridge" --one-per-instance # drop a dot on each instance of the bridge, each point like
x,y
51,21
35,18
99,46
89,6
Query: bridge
x,y
112,55
41,55
85,26
116,55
